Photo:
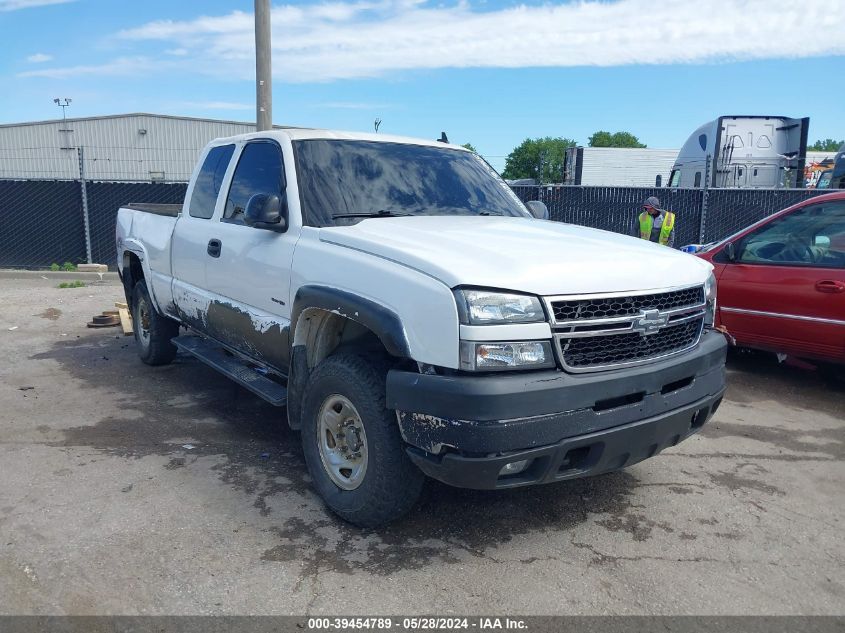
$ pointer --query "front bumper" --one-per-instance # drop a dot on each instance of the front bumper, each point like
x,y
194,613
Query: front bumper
x,y
572,458
462,429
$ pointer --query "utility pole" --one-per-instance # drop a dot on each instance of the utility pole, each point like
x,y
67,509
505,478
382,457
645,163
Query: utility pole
x,y
263,82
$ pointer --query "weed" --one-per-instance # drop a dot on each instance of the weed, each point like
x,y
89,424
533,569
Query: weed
x,y
72,284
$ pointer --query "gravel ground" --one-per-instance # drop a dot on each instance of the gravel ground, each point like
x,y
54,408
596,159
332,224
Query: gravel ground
x,y
105,510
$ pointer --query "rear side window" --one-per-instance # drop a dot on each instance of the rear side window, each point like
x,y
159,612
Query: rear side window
x,y
259,170
675,178
209,181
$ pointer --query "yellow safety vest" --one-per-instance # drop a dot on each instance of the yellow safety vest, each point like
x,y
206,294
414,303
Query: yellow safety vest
x,y
647,223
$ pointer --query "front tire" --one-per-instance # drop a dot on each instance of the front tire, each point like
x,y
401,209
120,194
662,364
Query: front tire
x,y
153,331
352,445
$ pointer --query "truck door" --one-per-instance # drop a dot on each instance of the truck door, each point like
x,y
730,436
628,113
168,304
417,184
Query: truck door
x,y
192,241
250,276
786,290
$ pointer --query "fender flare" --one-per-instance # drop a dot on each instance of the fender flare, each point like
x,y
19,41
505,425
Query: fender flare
x,y
382,321
135,247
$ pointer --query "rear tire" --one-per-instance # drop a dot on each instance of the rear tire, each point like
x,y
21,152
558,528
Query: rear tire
x,y
352,445
153,331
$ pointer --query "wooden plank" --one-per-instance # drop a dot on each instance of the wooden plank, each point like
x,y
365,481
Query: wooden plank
x,y
126,321
120,304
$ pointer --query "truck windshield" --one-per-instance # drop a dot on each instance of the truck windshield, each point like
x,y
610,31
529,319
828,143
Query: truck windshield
x,y
341,182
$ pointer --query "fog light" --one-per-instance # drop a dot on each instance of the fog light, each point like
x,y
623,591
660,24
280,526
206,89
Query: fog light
x,y
514,468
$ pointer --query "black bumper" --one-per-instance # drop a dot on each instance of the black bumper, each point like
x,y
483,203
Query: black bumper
x,y
575,457
463,429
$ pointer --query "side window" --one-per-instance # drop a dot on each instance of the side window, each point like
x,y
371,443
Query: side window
x,y
811,236
675,178
209,180
259,170
697,182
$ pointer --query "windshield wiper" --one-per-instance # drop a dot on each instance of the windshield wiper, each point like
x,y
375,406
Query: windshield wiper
x,y
383,213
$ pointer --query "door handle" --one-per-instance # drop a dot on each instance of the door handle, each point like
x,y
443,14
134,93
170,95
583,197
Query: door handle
x,y
214,247
829,285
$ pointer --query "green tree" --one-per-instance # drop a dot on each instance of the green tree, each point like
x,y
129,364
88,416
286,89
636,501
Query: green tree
x,y
526,158
827,145
470,147
615,139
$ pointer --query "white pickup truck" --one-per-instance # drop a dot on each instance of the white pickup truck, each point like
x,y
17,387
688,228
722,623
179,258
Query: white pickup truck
x,y
417,320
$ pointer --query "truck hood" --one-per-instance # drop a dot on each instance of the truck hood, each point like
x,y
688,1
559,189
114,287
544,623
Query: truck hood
x,y
521,254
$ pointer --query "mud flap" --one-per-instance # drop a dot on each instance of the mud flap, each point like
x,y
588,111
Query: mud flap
x,y
297,379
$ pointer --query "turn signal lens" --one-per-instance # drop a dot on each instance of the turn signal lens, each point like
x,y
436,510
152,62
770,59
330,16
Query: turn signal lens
x,y
498,356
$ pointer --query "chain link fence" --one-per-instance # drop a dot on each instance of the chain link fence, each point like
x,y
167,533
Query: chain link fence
x,y
41,223
727,211
616,208
701,215
44,221
105,198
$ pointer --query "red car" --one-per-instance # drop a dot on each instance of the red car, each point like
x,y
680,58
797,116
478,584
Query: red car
x,y
782,281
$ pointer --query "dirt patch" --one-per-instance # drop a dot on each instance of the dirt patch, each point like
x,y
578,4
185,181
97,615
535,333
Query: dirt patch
x,y
638,526
745,477
51,313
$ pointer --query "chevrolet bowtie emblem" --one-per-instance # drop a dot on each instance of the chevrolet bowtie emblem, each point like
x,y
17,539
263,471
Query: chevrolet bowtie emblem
x,y
649,322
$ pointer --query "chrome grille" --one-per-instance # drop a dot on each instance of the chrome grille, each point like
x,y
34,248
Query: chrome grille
x,y
616,306
594,352
599,332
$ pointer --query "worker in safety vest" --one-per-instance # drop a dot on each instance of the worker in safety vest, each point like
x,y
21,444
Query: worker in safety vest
x,y
656,224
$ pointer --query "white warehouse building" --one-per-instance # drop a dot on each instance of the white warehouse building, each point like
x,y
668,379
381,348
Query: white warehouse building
x,y
124,147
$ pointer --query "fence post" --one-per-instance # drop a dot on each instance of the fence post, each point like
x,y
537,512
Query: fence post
x,y
84,191
705,194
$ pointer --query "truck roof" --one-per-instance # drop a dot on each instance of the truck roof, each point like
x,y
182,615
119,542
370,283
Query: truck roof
x,y
299,134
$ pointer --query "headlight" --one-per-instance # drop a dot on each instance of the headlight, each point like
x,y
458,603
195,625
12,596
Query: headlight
x,y
710,298
484,307
498,356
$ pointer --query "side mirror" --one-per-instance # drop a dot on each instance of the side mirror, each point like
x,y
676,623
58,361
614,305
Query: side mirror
x,y
538,209
730,251
264,211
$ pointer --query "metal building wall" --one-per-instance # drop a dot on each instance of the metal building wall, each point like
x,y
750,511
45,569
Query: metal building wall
x,y
132,147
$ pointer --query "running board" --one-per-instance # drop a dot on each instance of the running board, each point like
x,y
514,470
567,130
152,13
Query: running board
x,y
234,368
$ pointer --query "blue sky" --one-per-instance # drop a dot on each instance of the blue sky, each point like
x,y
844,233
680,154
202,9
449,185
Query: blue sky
x,y
485,71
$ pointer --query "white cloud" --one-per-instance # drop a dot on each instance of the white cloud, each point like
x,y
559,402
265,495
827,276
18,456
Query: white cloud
x,y
217,105
39,58
119,67
14,5
343,40
177,52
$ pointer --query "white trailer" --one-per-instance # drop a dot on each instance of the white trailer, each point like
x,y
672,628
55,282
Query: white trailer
x,y
617,166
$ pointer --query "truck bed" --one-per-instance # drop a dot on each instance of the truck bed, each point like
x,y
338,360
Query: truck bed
x,y
171,210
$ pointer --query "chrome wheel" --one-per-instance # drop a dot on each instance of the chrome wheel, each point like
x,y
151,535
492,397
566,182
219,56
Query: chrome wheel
x,y
342,442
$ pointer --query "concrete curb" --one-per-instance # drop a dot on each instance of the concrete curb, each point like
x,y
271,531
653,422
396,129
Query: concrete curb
x,y
61,275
